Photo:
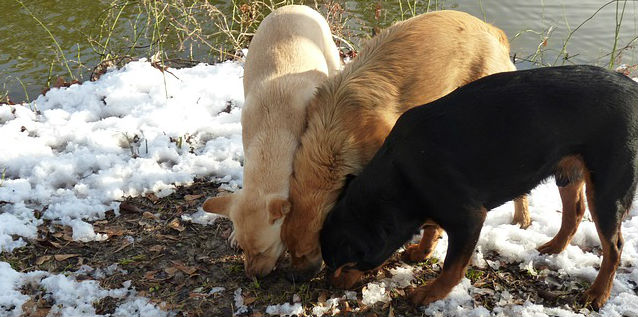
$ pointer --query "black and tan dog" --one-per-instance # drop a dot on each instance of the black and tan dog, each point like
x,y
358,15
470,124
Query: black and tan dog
x,y
452,160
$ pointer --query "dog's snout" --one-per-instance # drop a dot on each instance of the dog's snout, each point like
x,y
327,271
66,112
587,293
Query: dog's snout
x,y
258,266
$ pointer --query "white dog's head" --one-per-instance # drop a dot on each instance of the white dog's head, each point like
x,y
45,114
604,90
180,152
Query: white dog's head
x,y
256,227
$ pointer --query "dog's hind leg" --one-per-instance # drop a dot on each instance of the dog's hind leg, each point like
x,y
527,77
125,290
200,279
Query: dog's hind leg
x,y
463,232
573,198
521,212
609,195
423,250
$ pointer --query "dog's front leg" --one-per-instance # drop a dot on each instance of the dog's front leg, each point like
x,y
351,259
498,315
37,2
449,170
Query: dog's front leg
x,y
521,212
462,238
423,250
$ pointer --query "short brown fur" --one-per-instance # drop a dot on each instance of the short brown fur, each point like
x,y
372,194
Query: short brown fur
x,y
409,64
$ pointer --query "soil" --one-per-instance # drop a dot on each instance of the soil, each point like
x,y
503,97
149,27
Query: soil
x,y
176,264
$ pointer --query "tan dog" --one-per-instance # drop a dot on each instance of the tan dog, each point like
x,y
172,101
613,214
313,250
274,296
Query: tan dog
x,y
291,53
409,64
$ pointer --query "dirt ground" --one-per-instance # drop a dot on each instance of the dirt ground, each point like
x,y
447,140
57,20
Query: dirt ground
x,y
178,263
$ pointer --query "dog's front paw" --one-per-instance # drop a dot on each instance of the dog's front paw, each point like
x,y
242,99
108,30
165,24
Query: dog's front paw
x,y
551,247
413,254
594,299
522,222
425,295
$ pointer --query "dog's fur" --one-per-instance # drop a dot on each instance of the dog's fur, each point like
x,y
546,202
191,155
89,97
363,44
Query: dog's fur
x,y
410,63
291,53
450,161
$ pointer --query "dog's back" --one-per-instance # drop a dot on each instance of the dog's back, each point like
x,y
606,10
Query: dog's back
x,y
410,63
502,135
291,53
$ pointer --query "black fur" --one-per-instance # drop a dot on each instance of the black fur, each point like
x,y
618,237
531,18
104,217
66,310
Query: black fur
x,y
482,145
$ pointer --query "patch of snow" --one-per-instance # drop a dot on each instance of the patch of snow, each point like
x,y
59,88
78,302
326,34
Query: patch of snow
x,y
92,144
374,292
330,307
69,297
136,130
285,309
201,217
216,290
240,308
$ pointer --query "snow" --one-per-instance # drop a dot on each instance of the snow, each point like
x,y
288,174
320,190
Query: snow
x,y
69,297
92,144
285,309
330,307
373,293
88,146
216,290
240,308
201,217
72,154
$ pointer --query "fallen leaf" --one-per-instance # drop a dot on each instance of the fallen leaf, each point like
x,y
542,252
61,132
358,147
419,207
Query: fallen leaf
x,y
49,243
157,248
129,208
31,309
42,259
62,257
186,269
68,234
148,215
176,225
249,300
60,82
112,232
171,270
192,197
152,197
150,275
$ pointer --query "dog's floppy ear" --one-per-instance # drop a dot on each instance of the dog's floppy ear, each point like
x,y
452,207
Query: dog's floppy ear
x,y
219,205
278,207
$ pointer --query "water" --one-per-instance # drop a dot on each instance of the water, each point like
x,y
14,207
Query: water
x,y
29,58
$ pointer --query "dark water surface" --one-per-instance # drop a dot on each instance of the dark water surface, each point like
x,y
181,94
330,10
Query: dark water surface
x,y
29,57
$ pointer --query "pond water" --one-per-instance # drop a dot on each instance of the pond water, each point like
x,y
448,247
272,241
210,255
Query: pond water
x,y
538,29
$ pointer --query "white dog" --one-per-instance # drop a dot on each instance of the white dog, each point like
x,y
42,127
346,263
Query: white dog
x,y
290,55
